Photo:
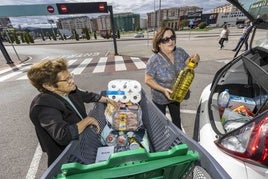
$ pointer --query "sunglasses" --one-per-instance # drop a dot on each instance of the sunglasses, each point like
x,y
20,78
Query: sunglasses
x,y
166,40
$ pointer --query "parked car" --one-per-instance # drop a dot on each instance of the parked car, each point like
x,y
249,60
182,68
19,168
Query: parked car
x,y
240,26
236,133
139,35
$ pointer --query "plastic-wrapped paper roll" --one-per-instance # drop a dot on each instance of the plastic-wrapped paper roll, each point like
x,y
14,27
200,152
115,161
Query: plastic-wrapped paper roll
x,y
114,97
125,86
135,98
114,85
125,98
135,86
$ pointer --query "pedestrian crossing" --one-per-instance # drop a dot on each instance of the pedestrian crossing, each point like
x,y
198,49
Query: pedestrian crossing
x,y
86,63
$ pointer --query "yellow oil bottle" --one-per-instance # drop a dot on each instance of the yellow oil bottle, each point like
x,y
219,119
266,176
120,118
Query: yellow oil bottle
x,y
183,82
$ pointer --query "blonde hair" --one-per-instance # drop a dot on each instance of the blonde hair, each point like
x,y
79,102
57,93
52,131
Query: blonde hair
x,y
45,72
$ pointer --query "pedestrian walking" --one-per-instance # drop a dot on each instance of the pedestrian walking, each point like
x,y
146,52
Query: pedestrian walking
x,y
244,36
224,36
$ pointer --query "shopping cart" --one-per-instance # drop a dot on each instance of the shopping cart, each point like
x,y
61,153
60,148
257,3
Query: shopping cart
x,y
172,153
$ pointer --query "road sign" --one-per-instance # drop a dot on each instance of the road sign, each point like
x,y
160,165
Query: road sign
x,y
82,8
53,9
50,9
28,10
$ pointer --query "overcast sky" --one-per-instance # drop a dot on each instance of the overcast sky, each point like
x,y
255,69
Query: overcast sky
x,y
136,6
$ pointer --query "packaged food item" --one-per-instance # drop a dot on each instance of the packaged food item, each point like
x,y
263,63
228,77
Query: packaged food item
x,y
236,101
126,120
243,110
230,115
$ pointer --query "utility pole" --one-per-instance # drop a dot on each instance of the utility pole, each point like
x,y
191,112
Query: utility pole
x,y
4,51
110,8
159,15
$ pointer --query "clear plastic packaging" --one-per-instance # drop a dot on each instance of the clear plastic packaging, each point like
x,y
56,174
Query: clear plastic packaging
x,y
126,120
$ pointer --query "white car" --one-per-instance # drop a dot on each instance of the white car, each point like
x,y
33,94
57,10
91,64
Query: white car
x,y
236,134
139,35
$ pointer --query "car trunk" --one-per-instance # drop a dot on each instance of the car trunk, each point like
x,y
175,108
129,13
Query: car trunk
x,y
246,77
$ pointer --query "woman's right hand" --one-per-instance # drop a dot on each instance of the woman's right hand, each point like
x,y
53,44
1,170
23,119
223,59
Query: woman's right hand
x,y
167,93
88,121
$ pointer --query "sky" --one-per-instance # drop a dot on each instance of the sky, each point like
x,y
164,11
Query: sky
x,y
135,6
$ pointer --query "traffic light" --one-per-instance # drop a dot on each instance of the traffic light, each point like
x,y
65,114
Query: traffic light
x,y
82,8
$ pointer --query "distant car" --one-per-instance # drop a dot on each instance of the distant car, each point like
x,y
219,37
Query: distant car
x,y
236,133
139,35
240,26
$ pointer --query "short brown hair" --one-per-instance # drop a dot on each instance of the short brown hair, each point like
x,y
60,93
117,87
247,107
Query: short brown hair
x,y
45,72
158,36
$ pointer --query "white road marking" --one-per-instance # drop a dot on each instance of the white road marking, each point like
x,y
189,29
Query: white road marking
x,y
119,63
81,66
9,69
101,65
188,111
10,75
138,62
35,163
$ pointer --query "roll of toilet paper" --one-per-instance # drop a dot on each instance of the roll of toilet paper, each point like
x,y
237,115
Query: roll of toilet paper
x,y
135,86
135,98
125,98
115,97
125,85
114,85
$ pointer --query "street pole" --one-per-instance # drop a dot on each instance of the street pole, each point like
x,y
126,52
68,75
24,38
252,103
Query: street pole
x,y
110,8
4,51
159,15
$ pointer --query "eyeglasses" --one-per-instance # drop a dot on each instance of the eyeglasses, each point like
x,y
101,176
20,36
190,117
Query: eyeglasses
x,y
68,79
166,40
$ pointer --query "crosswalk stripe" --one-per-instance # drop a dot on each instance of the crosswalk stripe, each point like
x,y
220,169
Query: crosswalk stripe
x,y
138,62
101,65
9,69
24,77
13,74
119,63
81,67
70,62
78,65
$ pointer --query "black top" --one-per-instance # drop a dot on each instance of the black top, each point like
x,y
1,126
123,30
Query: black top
x,y
55,119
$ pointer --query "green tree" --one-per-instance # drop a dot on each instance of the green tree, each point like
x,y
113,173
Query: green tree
x,y
17,40
184,23
95,35
54,36
76,35
48,35
86,31
22,38
26,37
202,25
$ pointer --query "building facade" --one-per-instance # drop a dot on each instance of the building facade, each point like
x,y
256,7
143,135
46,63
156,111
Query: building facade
x,y
229,14
67,25
171,17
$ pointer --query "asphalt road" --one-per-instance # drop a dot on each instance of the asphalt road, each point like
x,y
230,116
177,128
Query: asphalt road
x,y
17,136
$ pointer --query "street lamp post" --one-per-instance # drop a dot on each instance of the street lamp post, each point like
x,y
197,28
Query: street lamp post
x,y
159,15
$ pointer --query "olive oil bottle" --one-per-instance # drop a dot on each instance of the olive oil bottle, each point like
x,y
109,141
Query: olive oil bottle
x,y
183,82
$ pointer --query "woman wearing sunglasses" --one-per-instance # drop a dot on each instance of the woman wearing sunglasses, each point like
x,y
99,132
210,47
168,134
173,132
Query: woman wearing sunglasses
x,y
58,111
162,70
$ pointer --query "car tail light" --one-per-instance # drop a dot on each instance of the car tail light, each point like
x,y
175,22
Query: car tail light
x,y
249,142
